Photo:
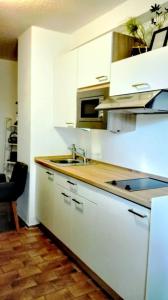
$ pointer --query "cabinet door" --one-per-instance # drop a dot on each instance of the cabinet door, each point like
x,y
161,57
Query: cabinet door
x,y
45,196
65,90
140,73
94,59
122,246
83,228
62,214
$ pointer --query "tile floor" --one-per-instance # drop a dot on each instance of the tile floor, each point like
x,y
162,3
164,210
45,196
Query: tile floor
x,y
32,267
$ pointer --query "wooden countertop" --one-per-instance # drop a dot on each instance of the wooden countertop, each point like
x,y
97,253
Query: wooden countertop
x,y
98,173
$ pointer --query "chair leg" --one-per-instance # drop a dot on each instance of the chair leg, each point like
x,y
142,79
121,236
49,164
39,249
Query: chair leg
x,y
13,204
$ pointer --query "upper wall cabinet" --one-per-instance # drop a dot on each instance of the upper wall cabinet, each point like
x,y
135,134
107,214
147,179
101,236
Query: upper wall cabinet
x,y
140,73
94,60
65,85
95,57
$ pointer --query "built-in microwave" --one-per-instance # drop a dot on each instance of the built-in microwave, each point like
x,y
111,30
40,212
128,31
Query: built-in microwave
x,y
87,116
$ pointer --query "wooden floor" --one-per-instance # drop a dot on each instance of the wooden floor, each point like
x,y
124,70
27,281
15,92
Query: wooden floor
x,y
32,267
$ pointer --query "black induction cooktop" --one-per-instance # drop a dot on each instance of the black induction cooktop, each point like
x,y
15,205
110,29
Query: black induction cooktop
x,y
138,184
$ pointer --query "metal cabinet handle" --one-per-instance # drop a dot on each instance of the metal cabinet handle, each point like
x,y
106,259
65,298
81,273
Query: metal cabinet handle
x,y
137,213
70,123
77,201
102,78
49,173
65,195
71,182
117,131
141,84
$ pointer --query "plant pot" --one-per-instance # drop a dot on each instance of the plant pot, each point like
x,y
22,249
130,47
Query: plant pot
x,y
138,50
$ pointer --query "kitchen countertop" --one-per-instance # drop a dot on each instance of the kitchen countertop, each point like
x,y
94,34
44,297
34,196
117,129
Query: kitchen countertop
x,y
98,173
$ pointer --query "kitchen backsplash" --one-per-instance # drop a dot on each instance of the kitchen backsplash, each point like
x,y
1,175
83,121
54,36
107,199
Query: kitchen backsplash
x,y
145,149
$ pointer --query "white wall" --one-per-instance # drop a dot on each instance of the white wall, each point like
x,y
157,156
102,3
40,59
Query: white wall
x,y
8,97
144,149
112,19
24,108
38,49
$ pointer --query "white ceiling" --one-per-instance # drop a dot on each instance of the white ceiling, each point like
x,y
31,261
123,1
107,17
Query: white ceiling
x,y
60,15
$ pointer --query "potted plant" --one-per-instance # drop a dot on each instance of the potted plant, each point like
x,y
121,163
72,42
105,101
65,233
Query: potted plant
x,y
136,29
143,34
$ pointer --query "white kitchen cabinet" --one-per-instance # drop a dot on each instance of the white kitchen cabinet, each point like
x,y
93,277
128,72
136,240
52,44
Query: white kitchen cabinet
x,y
144,72
119,123
65,86
75,216
83,220
108,233
45,196
94,60
122,245
62,214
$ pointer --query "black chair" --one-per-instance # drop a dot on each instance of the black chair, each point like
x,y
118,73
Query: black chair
x,y
10,191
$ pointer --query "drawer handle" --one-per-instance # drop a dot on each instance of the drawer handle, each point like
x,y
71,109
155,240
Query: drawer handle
x,y
71,182
49,173
65,195
136,213
77,201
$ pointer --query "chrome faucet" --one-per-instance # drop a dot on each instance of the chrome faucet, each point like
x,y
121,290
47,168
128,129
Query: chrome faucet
x,y
82,153
73,150
78,151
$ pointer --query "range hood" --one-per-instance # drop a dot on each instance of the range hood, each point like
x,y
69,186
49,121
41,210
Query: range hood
x,y
142,102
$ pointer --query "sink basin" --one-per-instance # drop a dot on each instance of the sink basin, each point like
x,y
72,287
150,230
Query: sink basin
x,y
68,161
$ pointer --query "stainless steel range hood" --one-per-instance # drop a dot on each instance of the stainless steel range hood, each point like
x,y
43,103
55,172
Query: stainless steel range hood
x,y
143,102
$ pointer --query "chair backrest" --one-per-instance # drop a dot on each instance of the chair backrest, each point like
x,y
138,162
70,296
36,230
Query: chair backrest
x,y
19,175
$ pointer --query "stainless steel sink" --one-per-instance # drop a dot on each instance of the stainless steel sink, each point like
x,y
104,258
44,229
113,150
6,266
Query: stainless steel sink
x,y
69,162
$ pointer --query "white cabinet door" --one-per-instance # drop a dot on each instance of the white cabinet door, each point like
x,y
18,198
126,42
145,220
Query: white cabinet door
x,y
83,228
45,196
122,246
62,214
94,59
144,72
65,90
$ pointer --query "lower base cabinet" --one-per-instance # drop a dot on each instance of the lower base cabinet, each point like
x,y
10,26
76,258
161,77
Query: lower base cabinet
x,y
44,196
74,222
108,233
122,246
62,209
83,220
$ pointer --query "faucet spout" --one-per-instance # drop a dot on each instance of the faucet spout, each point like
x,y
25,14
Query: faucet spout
x,y
82,153
73,151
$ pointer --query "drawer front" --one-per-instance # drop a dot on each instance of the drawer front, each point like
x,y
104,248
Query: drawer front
x,y
66,182
78,187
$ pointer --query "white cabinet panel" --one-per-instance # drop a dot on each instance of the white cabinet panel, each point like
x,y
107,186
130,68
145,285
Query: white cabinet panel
x,y
62,214
83,228
75,216
122,246
45,196
65,90
94,60
144,72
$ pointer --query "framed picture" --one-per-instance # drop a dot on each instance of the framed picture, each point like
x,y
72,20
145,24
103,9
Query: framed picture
x,y
159,38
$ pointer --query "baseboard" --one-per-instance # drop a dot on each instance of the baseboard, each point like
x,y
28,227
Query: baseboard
x,y
113,295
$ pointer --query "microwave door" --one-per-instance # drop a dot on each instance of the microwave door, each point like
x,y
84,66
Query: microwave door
x,y
87,109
